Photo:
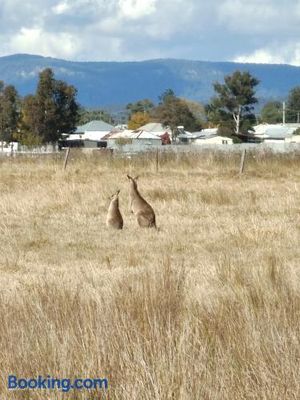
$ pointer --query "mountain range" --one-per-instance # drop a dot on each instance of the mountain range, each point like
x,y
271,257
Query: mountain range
x,y
107,84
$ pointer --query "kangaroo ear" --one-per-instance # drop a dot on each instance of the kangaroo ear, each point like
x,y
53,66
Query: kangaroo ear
x,y
136,178
118,191
129,177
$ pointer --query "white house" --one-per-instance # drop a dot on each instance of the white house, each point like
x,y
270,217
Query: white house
x,y
293,139
156,128
93,130
274,132
11,147
88,135
215,139
206,136
128,140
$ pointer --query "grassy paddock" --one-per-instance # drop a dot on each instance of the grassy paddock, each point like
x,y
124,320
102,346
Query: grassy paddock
x,y
208,307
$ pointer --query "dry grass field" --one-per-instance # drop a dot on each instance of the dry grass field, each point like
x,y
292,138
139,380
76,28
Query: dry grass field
x,y
207,307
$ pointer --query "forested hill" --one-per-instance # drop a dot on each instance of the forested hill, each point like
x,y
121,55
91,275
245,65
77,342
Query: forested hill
x,y
117,83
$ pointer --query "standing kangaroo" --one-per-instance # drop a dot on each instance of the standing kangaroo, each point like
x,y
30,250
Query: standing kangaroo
x,y
139,206
114,218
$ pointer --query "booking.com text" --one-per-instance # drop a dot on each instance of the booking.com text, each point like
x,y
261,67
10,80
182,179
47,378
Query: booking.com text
x,y
61,384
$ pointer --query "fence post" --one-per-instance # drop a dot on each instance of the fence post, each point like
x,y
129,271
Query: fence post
x,y
66,157
242,164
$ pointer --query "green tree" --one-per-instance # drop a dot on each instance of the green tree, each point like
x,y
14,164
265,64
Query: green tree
x,y
28,132
145,106
46,109
51,111
233,104
173,112
271,112
168,94
293,105
9,111
87,115
66,107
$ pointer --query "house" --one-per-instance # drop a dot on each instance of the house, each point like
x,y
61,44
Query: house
x,y
10,147
293,139
87,135
273,133
93,130
206,136
132,141
158,129
185,137
213,139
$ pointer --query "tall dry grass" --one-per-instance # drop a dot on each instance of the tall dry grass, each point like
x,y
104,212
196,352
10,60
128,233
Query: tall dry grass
x,y
208,307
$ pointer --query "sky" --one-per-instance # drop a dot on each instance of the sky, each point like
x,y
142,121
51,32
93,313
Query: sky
x,y
261,31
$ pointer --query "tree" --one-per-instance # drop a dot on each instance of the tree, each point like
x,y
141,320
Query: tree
x,y
66,108
144,105
234,101
168,94
198,111
293,105
28,132
9,111
51,111
173,112
86,115
45,107
271,112
138,119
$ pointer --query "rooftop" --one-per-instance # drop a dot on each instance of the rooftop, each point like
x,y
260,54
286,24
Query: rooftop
x,y
96,125
275,131
154,127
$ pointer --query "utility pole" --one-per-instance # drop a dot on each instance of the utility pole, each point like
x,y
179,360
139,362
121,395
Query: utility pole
x,y
283,113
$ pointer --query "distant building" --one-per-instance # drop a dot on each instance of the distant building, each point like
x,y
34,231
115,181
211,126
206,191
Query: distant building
x,y
273,132
93,130
203,137
9,147
87,135
293,139
132,141
158,129
215,139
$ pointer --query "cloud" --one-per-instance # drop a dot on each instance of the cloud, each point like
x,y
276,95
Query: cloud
x,y
276,54
249,16
35,40
140,29
134,9
261,56
61,8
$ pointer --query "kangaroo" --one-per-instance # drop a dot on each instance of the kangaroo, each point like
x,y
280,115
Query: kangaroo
x,y
139,206
114,218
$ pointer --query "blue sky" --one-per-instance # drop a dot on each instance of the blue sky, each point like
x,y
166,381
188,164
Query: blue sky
x,y
265,31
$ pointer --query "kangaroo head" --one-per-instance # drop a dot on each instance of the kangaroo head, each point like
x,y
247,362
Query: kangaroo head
x,y
115,196
133,181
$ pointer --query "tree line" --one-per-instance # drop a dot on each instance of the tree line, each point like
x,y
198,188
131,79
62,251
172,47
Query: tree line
x,y
231,110
53,109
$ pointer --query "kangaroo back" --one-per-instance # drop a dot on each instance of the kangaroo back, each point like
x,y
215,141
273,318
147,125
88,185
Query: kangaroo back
x,y
139,206
114,217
